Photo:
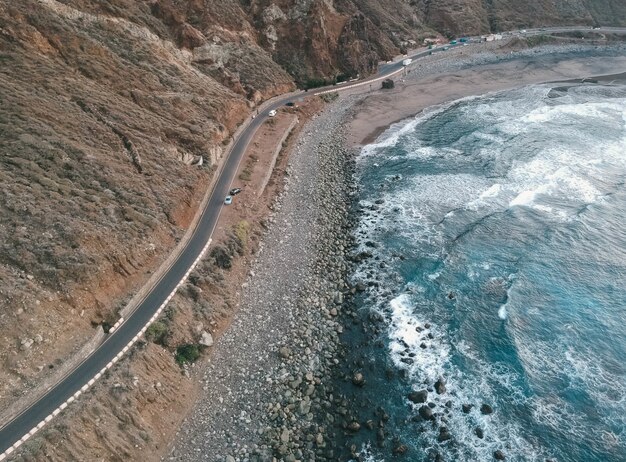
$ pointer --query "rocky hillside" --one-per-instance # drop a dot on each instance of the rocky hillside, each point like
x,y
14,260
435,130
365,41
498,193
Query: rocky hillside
x,y
107,107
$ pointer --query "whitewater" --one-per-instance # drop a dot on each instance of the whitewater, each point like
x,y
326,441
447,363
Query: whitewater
x,y
497,230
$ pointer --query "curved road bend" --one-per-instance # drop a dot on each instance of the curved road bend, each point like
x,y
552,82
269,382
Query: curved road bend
x,y
29,418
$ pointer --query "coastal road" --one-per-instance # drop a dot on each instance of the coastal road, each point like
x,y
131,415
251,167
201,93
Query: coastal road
x,y
117,343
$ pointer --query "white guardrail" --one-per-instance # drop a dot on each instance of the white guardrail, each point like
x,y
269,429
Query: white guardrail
x,y
117,357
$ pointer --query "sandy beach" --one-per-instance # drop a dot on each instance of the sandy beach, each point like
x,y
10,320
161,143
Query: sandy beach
x,y
436,81
275,386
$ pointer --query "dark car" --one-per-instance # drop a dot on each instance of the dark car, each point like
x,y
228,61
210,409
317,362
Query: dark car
x,y
234,191
290,104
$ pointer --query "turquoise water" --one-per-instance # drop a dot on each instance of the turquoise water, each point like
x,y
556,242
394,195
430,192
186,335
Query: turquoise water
x,y
500,222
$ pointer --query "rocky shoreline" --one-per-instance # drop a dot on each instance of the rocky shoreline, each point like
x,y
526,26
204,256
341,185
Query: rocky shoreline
x,y
268,386
297,377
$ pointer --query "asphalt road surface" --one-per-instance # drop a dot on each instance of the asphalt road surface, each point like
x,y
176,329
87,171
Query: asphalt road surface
x,y
114,343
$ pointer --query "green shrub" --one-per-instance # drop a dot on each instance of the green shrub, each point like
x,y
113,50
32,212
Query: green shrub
x,y
157,332
188,353
223,259
329,97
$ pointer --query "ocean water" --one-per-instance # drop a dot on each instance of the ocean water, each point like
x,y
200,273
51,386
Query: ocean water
x,y
497,229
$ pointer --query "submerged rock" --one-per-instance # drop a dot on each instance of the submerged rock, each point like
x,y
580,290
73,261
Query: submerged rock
x,y
353,426
444,435
358,379
467,408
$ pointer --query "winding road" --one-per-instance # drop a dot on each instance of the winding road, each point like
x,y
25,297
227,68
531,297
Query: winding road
x,y
116,344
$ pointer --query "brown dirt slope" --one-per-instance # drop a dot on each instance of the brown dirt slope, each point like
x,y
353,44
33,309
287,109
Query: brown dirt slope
x,y
103,112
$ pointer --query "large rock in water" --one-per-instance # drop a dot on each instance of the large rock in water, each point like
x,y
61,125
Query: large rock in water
x,y
426,413
485,409
418,396
440,386
499,455
358,379
444,435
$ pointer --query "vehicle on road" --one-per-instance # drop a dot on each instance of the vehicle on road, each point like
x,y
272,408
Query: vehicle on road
x,y
234,191
407,61
228,200
272,113
290,104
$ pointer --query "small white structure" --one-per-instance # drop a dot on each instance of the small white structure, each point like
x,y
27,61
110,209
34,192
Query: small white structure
x,y
493,37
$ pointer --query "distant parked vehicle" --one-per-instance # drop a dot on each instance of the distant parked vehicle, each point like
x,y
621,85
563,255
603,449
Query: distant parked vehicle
x,y
290,104
406,62
228,200
234,191
272,113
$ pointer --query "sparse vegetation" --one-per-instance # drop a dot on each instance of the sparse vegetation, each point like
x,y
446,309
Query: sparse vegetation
x,y
222,257
157,333
539,40
329,97
241,231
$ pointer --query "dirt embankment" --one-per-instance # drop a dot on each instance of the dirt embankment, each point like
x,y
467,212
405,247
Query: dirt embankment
x,y
103,121
135,409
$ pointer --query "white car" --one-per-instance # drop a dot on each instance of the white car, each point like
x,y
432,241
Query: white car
x,y
272,113
228,200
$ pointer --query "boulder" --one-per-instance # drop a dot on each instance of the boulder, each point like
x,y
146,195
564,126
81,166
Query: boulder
x,y
479,432
399,449
358,379
284,352
499,455
485,409
426,413
467,408
206,339
444,434
418,396
440,386
354,426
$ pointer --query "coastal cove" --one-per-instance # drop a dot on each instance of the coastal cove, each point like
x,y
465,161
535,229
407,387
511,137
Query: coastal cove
x,y
293,378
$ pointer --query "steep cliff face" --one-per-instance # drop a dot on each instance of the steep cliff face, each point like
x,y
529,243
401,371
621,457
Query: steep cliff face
x,y
316,39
